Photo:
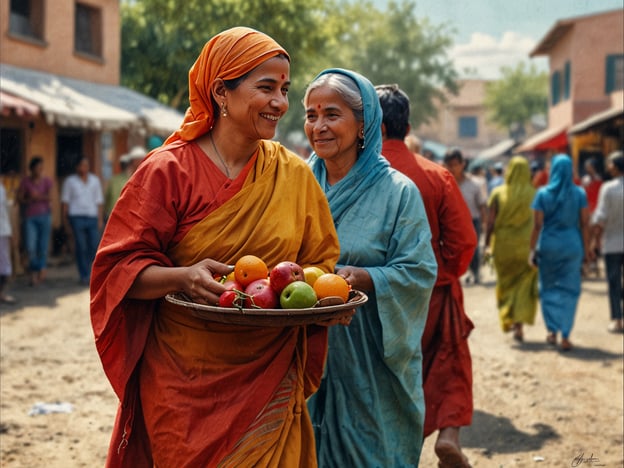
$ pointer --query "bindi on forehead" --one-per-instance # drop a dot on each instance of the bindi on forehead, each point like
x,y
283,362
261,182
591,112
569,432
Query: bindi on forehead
x,y
318,106
283,76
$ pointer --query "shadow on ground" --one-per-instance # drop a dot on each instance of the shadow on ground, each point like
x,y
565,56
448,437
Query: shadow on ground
x,y
497,435
62,280
579,352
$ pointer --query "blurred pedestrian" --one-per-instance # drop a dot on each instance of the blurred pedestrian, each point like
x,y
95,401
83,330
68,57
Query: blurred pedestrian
x,y
128,162
497,177
82,209
608,235
474,194
447,364
6,266
369,409
507,236
540,178
559,243
413,143
34,195
591,182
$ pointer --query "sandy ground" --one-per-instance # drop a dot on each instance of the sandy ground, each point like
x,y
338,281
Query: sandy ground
x,y
534,405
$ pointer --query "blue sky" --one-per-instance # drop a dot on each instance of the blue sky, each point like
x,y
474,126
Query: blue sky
x,y
493,33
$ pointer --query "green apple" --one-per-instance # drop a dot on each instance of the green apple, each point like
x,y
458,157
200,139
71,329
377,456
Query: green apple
x,y
311,274
298,295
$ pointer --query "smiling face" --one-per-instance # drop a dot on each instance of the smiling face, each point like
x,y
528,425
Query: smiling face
x,y
331,127
260,100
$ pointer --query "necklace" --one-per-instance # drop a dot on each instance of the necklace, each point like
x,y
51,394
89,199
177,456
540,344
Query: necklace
x,y
227,172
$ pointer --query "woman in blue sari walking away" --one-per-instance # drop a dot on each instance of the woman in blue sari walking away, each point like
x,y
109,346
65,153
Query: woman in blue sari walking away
x,y
561,236
369,409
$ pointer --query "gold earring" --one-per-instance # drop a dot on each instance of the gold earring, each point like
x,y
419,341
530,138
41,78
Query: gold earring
x,y
224,112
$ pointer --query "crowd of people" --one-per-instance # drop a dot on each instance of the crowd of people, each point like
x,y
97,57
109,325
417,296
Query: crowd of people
x,y
369,207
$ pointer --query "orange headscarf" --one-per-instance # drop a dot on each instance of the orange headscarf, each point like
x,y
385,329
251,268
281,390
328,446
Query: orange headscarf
x,y
228,55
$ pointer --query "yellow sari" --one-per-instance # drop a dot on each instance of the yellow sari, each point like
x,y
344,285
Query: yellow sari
x,y
516,284
213,393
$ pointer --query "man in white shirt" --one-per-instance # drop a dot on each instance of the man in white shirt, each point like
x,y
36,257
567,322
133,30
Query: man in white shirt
x,y
82,204
475,197
608,234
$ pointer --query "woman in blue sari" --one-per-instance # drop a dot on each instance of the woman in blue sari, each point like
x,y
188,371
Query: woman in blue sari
x,y
369,410
560,233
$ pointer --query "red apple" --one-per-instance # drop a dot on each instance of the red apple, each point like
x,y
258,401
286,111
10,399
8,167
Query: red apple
x,y
283,274
261,295
228,298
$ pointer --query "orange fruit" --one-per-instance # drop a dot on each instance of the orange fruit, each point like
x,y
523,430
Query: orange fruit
x,y
331,284
250,268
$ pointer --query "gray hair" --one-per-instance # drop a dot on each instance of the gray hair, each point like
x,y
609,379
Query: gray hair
x,y
346,88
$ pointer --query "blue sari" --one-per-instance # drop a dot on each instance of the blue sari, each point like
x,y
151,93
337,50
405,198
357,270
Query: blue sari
x,y
369,409
560,246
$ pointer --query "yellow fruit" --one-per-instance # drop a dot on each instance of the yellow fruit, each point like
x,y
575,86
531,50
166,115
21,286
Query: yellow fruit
x,y
311,274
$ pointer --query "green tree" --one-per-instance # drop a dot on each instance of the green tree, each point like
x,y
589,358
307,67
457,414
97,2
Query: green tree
x,y
520,95
396,47
162,38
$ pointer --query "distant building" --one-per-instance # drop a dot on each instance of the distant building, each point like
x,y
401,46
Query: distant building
x,y
586,105
462,121
60,96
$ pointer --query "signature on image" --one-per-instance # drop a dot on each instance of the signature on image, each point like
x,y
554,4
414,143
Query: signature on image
x,y
591,460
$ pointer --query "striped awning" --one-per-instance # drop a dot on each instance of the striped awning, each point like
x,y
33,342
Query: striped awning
x,y
12,104
68,102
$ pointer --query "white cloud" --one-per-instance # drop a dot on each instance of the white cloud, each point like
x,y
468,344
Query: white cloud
x,y
484,55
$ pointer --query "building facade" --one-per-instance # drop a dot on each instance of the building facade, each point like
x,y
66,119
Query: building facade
x,y
60,93
586,61
462,121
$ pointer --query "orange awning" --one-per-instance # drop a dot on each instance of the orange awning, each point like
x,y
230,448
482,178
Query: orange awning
x,y
549,139
19,106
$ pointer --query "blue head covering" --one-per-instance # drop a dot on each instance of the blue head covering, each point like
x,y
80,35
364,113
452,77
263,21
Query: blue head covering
x,y
560,182
369,165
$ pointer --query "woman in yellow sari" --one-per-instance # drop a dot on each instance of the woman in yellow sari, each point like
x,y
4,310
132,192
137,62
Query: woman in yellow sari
x,y
193,392
510,221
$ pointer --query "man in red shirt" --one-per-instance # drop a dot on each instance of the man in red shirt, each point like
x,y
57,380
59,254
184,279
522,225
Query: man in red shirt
x,y
447,365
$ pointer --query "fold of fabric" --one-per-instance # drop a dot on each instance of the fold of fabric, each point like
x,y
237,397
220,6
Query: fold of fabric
x,y
516,284
208,363
369,410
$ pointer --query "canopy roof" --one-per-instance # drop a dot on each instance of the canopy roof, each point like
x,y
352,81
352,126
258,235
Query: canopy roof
x,y
600,119
554,138
68,102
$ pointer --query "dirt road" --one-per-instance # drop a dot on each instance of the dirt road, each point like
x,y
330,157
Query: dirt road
x,y
534,406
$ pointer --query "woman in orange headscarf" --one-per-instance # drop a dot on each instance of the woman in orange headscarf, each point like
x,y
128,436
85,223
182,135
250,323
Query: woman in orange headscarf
x,y
193,392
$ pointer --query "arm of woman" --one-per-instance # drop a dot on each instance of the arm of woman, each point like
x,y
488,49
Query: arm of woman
x,y
538,222
196,281
491,220
585,233
358,278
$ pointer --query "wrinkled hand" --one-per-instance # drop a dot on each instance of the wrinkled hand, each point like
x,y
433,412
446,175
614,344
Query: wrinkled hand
x,y
357,277
200,283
